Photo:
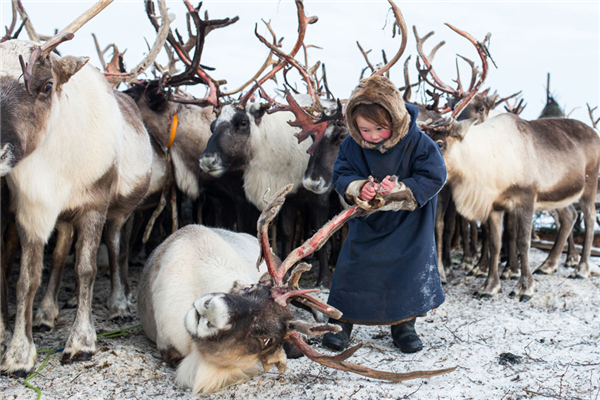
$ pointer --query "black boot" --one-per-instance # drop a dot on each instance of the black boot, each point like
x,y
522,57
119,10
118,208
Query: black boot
x,y
405,337
338,341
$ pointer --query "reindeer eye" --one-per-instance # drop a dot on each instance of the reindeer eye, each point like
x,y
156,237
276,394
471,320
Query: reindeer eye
x,y
243,123
481,109
441,144
209,325
47,87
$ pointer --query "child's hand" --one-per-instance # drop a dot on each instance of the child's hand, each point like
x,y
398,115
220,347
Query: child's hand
x,y
368,191
386,186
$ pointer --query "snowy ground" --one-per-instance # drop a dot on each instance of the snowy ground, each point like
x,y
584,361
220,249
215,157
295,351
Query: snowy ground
x,y
553,341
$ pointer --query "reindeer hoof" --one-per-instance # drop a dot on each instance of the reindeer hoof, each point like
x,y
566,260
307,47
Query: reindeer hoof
x,y
485,296
71,358
524,298
20,373
43,328
512,294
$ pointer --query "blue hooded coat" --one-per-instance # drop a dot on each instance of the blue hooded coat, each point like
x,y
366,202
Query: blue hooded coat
x,y
387,269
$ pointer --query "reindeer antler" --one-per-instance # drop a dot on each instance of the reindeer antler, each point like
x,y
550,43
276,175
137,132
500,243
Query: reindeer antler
x,y
303,21
402,25
66,34
591,113
338,362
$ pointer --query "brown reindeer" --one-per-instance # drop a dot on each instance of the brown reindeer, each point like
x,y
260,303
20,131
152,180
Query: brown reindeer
x,y
509,164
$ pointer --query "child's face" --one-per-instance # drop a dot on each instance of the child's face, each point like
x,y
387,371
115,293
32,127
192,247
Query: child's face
x,y
372,132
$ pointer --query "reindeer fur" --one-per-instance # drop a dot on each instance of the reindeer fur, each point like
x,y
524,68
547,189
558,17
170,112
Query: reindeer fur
x,y
195,265
86,157
510,164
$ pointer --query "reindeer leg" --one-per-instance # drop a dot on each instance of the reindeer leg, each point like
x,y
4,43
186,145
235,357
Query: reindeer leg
x,y
9,245
45,315
492,282
511,270
572,256
119,305
442,204
566,220
589,212
467,260
483,265
448,235
81,343
20,356
526,285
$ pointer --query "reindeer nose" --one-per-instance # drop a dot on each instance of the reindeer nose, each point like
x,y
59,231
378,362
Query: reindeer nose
x,y
315,185
211,164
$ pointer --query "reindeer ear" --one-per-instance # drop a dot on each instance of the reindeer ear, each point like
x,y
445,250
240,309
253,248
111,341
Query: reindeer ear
x,y
66,67
460,129
258,111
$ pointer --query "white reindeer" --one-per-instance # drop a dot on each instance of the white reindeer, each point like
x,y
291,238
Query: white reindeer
x,y
203,301
86,158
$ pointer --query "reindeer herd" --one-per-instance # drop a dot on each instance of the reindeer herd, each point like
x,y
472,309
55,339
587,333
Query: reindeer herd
x,y
80,158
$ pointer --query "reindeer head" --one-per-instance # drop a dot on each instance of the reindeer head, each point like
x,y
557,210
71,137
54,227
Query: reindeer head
x,y
30,104
230,147
243,324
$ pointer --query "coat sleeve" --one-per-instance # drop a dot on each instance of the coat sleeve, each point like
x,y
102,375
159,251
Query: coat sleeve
x,y
345,172
428,171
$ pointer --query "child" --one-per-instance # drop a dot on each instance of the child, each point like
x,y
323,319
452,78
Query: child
x,y
387,271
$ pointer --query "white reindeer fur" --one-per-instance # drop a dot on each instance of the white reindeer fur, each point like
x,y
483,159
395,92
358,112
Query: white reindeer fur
x,y
66,161
278,159
476,160
191,263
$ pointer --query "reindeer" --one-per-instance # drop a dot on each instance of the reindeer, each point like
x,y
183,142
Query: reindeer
x,y
262,145
85,157
203,301
554,162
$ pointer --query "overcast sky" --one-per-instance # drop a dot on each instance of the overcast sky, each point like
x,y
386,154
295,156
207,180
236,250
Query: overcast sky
x,y
529,39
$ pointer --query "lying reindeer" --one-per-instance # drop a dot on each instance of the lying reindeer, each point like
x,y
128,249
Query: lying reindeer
x,y
203,301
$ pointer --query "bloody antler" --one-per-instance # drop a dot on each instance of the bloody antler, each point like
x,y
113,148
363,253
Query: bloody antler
x,y
338,362
281,293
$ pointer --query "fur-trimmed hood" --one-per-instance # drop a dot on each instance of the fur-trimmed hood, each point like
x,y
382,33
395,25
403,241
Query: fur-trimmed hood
x,y
379,90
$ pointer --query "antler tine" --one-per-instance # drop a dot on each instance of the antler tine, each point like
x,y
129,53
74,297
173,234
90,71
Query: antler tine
x,y
325,84
338,362
403,30
474,73
318,239
427,60
161,37
505,99
62,36
591,113
366,56
483,54
407,91
268,62
303,21
316,106
266,217
13,23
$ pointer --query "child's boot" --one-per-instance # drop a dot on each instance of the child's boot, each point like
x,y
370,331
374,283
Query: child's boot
x,y
338,341
405,337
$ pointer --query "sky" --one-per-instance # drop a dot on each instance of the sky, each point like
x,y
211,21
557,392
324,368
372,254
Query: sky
x,y
529,40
